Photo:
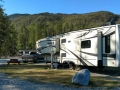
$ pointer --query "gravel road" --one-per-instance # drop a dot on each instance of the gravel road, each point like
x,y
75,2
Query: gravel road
x,y
7,83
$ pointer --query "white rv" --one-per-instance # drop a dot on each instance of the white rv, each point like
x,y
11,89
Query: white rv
x,y
97,47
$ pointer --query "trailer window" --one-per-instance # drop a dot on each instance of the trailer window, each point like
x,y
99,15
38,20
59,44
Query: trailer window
x,y
107,44
63,40
69,41
63,54
86,44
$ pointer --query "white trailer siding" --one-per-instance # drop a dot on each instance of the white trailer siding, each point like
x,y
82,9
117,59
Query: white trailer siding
x,y
44,46
104,47
69,49
117,64
89,55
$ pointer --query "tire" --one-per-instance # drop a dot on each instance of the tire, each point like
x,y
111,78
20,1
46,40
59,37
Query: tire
x,y
65,65
71,66
25,61
35,60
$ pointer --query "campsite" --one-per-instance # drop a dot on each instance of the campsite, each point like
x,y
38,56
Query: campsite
x,y
59,45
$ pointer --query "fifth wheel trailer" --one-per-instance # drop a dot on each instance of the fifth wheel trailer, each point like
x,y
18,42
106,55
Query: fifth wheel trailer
x,y
97,47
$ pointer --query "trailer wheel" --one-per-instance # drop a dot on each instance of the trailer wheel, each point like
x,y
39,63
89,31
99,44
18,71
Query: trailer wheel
x,y
71,66
65,65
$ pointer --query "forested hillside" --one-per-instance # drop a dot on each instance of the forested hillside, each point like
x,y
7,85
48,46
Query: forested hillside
x,y
8,36
31,28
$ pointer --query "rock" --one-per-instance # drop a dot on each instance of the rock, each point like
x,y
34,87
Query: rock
x,y
82,77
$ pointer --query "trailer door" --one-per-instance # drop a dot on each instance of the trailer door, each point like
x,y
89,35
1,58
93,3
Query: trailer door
x,y
109,44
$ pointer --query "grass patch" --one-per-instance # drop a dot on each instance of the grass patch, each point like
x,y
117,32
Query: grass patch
x,y
39,74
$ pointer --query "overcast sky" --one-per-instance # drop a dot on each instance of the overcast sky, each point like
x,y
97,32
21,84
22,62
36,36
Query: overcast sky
x,y
60,6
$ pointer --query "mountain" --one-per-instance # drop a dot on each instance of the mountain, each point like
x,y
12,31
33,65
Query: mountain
x,y
32,27
13,16
77,21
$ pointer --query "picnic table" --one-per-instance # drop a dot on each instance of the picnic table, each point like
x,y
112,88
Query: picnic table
x,y
13,61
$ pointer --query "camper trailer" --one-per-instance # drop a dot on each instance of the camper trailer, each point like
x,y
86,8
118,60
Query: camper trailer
x,y
96,47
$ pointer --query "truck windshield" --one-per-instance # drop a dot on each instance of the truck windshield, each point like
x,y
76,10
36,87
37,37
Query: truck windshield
x,y
26,52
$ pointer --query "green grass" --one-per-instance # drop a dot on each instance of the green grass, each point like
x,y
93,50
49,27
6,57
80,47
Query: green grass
x,y
40,74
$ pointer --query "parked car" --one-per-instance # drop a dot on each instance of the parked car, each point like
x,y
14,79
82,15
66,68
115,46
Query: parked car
x,y
31,56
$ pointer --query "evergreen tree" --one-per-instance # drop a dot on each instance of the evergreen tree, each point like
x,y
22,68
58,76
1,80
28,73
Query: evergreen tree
x,y
8,35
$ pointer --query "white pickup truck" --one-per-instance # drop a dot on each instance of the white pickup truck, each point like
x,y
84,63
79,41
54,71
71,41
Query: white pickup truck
x,y
31,56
